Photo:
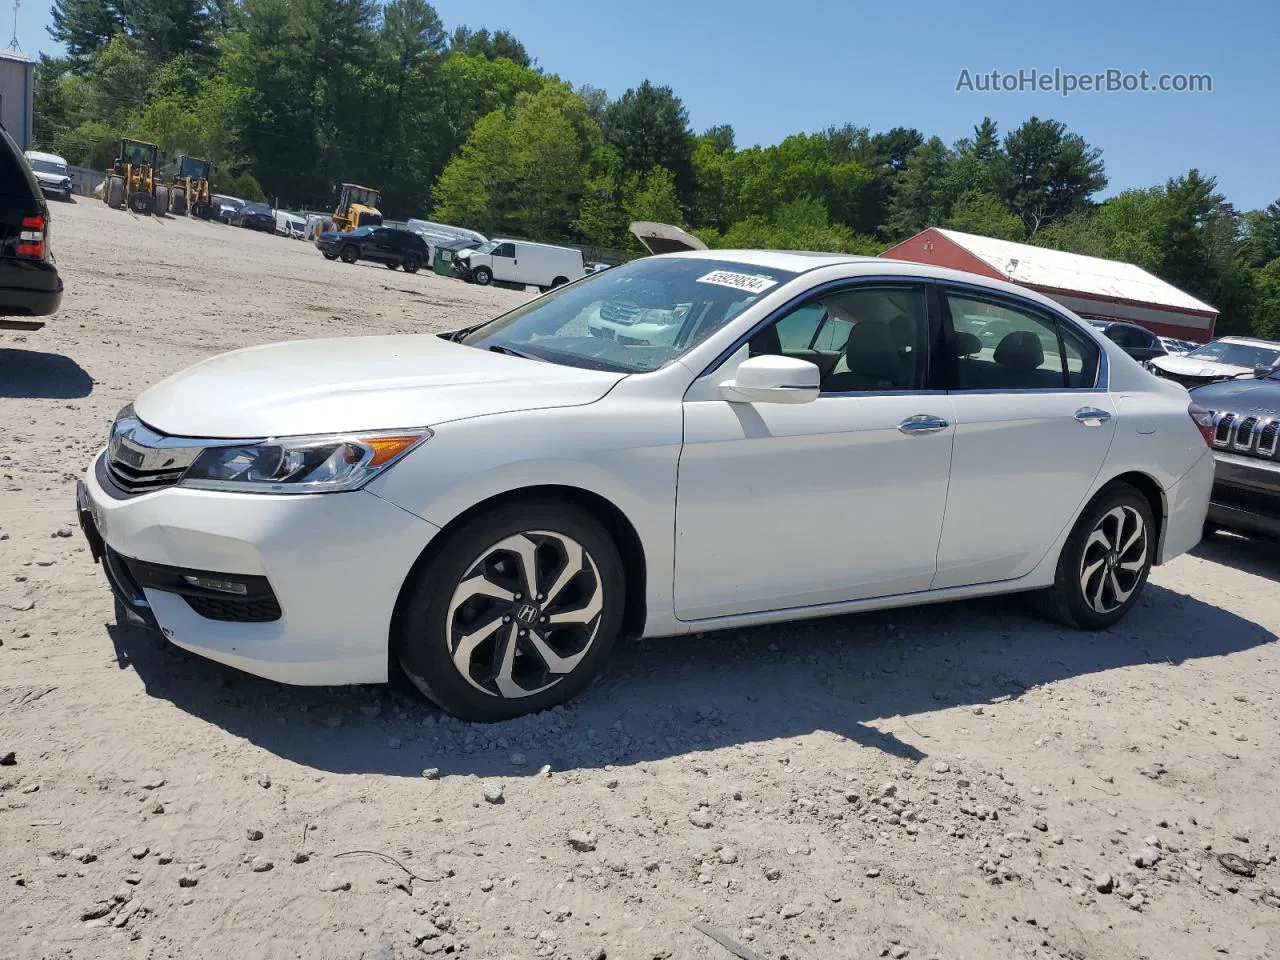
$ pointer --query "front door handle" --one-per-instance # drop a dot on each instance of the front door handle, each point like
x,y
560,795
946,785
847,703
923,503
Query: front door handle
x,y
923,423
1092,416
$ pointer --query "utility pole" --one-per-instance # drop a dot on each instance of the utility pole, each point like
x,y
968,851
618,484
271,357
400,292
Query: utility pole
x,y
13,44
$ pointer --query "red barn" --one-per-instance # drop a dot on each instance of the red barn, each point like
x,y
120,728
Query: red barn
x,y
1091,287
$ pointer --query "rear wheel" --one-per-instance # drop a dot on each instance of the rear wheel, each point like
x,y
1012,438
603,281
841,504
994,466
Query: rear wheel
x,y
161,204
179,203
115,192
516,612
349,253
392,266
412,264
1105,561
482,275
559,282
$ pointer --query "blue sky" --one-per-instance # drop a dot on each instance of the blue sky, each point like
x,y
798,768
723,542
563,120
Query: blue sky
x,y
785,66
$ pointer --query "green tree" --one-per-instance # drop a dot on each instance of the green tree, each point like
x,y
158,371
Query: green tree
x,y
499,45
652,196
85,27
649,127
983,214
1261,238
920,199
1046,173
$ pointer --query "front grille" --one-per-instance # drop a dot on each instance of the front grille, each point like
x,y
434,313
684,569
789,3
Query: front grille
x,y
141,460
616,311
1250,435
234,611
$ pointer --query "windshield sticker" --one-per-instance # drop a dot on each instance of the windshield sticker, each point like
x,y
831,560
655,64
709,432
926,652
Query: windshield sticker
x,y
750,283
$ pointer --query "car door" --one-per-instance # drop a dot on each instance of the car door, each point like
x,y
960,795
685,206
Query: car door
x,y
1034,422
791,505
505,262
378,245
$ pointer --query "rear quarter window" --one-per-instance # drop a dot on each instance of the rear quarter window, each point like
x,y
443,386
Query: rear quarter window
x,y
16,179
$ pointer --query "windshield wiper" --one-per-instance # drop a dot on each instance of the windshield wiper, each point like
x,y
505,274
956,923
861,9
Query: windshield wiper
x,y
499,348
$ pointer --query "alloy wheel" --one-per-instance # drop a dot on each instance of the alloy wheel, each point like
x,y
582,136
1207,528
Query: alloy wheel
x,y
525,614
1114,559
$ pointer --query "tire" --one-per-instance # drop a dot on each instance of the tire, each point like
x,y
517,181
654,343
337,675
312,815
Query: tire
x,y
393,266
115,192
179,203
411,264
330,256
559,282
143,203
1104,563
349,253
483,276
437,606
161,203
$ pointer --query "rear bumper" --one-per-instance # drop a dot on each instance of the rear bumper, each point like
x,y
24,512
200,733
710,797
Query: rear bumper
x,y
29,288
1187,503
1246,494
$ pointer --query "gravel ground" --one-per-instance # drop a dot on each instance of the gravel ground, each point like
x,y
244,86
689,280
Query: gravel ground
x,y
960,781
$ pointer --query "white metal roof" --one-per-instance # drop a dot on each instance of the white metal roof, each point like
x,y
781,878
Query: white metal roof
x,y
1058,270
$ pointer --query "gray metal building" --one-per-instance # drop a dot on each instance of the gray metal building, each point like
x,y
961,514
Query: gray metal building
x,y
17,95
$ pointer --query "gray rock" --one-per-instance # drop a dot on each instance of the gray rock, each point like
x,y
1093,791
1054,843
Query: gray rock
x,y
1104,883
253,834
423,929
188,880
941,766
772,873
164,857
261,865
139,853
431,773
873,872
1146,857
97,910
727,855
301,857
582,841
1041,824
790,910
702,818
334,883
84,855
493,793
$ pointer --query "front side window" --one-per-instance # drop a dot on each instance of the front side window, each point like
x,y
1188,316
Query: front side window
x,y
507,250
632,318
864,339
1000,346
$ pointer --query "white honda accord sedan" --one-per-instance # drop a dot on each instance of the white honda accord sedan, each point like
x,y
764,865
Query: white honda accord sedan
x,y
493,507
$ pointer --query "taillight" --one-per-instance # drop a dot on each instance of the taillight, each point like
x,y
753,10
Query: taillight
x,y
31,242
1203,419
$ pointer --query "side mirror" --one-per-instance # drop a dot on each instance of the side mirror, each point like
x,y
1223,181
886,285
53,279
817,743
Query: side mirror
x,y
773,379
1261,371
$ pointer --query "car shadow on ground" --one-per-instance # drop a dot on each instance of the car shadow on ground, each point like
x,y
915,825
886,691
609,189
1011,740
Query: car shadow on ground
x,y
657,699
31,374
1258,556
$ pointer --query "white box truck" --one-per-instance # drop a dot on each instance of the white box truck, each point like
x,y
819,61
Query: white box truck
x,y
520,262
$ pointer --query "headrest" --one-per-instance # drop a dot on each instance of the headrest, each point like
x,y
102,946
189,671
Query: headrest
x,y
967,344
1020,350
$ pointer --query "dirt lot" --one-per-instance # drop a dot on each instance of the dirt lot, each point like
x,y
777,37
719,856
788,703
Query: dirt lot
x,y
960,781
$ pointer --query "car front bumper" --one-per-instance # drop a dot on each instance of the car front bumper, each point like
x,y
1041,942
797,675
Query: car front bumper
x,y
1246,494
332,565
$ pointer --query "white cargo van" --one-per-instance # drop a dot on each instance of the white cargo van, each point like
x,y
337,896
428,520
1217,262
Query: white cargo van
x,y
521,262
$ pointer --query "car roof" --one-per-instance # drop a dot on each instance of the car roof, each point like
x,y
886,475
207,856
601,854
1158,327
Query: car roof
x,y
40,155
1247,341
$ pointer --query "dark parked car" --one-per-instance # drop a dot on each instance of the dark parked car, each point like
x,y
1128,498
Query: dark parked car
x,y
29,281
1246,448
395,248
255,216
1138,342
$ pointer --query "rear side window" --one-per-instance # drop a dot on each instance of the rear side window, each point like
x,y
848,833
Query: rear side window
x,y
16,180
1003,346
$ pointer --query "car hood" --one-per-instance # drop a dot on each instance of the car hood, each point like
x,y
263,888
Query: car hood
x,y
357,383
1195,367
58,178
1258,397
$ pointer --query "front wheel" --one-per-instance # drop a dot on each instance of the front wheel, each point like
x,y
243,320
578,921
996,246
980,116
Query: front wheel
x,y
330,256
516,612
482,275
392,266
349,254
411,264
1105,561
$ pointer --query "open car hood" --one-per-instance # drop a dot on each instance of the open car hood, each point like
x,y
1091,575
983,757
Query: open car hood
x,y
664,238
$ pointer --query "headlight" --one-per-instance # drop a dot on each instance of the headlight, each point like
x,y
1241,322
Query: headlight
x,y
301,464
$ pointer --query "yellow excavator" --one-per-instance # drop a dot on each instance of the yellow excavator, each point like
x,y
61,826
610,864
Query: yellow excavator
x,y
357,207
131,181
184,187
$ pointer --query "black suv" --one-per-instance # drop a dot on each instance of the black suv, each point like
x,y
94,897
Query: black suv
x,y
29,281
395,248
1138,342
1246,452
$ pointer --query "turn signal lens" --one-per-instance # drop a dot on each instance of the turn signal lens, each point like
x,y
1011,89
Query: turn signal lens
x,y
1203,419
386,449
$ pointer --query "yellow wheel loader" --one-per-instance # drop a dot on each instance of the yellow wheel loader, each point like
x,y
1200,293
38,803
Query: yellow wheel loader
x,y
357,207
131,181
184,187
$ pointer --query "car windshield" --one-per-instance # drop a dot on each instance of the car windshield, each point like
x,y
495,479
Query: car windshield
x,y
1237,354
633,318
487,247
48,166
257,208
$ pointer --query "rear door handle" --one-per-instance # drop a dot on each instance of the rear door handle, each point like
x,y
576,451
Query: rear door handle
x,y
923,423
1092,416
